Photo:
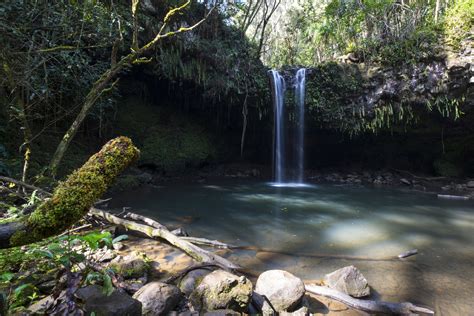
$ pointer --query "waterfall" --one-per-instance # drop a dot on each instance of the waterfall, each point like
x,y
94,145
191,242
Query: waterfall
x,y
278,92
299,143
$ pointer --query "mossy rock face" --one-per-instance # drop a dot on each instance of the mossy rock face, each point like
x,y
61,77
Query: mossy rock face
x,y
169,141
175,149
72,198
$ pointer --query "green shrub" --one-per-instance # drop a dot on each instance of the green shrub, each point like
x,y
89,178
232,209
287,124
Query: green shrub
x,y
459,21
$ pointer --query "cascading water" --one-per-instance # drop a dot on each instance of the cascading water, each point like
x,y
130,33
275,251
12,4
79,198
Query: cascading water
x,y
278,91
279,149
300,98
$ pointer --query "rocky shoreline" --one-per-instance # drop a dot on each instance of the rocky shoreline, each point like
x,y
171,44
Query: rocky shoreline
x,y
402,179
161,280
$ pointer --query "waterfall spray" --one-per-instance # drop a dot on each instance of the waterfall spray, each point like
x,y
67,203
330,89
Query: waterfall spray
x,y
299,144
278,91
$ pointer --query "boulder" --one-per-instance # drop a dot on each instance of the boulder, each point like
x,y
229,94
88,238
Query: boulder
x,y
158,298
470,184
130,266
281,288
117,303
348,280
222,290
191,280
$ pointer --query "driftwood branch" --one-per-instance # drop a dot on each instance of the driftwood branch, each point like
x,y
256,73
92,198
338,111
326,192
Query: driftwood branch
x,y
324,255
372,307
193,240
193,251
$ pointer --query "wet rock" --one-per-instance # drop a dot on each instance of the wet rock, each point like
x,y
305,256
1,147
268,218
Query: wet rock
x,y
130,266
102,254
222,290
40,307
281,288
348,280
117,303
158,298
470,184
192,280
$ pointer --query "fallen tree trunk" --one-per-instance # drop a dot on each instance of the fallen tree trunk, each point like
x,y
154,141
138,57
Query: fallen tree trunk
x,y
162,232
193,240
372,307
72,198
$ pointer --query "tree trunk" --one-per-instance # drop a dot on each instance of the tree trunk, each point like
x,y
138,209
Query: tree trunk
x,y
72,198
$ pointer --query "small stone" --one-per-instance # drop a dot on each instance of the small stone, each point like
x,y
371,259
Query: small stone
x,y
118,246
470,184
158,298
103,255
348,280
282,289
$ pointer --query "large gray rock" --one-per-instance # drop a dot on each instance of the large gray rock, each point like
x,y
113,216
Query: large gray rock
x,y
222,290
158,298
191,280
282,289
348,280
117,303
470,184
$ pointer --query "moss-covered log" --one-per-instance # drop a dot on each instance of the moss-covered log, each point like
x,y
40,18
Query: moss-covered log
x,y
72,198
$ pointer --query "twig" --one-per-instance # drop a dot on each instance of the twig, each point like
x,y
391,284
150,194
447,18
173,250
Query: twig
x,y
25,185
75,230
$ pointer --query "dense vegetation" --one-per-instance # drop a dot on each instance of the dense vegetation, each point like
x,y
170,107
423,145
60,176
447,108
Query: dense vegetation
x,y
210,80
389,85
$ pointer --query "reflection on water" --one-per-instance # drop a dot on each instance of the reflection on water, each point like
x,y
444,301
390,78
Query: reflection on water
x,y
313,221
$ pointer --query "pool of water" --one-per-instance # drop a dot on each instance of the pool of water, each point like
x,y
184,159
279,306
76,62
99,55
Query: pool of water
x,y
315,229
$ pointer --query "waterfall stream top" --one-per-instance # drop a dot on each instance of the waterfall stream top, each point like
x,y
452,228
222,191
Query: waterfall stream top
x,y
285,145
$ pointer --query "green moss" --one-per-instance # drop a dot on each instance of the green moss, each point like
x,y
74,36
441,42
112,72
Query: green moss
x,y
176,149
168,139
73,198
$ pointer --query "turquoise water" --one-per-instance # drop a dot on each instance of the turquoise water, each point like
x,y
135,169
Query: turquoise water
x,y
313,230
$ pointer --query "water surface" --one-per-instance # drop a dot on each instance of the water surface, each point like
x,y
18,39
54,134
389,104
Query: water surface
x,y
303,229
